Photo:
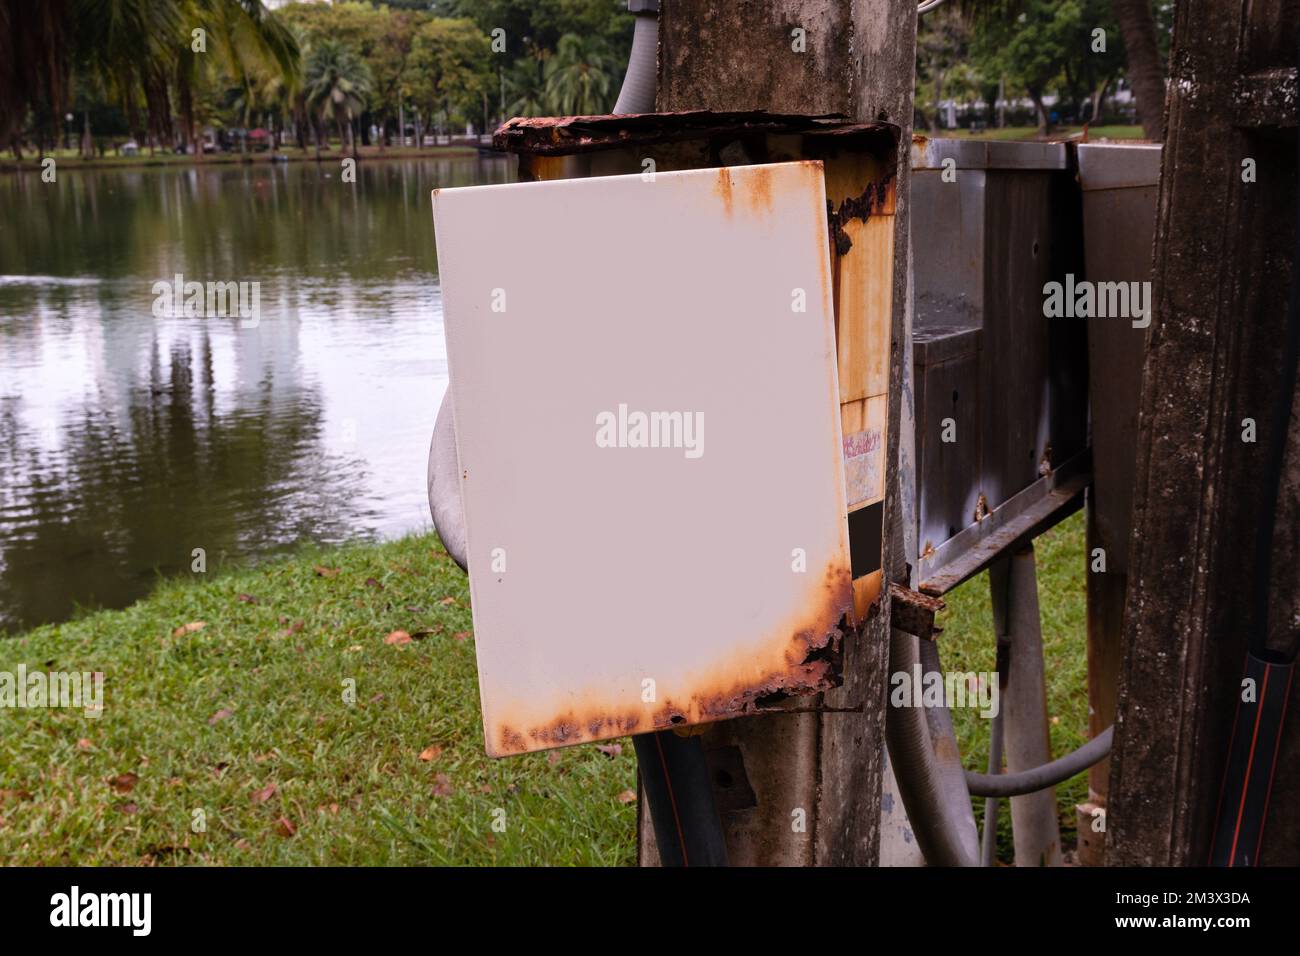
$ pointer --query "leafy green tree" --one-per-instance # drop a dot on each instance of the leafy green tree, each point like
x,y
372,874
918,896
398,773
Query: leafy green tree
x,y
381,36
448,73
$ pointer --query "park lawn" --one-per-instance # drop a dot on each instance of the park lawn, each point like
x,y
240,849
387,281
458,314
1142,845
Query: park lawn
x,y
244,720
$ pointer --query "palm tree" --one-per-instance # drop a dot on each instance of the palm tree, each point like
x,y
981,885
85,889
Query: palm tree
x,y
337,81
527,88
577,78
245,43
133,53
1145,72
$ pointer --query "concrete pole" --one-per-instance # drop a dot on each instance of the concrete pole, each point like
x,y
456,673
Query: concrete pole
x,y
855,57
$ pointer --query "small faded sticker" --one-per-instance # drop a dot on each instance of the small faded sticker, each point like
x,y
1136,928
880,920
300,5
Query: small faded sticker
x,y
863,460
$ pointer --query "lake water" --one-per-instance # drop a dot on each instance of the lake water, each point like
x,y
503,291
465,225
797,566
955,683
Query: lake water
x,y
128,440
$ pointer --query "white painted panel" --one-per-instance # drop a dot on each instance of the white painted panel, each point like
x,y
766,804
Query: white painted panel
x,y
623,566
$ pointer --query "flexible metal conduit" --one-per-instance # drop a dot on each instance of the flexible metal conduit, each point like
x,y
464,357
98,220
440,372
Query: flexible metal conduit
x,y
1044,775
927,763
638,92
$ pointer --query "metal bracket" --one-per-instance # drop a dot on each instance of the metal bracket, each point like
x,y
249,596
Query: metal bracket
x,y
913,612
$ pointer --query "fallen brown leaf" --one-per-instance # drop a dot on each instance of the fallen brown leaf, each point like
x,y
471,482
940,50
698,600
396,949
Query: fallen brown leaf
x,y
448,600
248,599
15,794
222,714
263,795
128,807
610,750
461,636
627,796
284,826
83,744
123,782
189,628
399,638
372,583
324,572
431,752
553,757
442,785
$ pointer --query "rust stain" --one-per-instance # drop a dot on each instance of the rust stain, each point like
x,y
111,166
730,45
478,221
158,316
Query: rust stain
x,y
877,197
758,190
804,658
543,168
722,189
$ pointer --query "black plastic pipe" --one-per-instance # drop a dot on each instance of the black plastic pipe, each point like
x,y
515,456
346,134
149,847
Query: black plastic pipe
x,y
679,791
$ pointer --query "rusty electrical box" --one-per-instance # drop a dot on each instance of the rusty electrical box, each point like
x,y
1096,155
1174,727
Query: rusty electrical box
x,y
717,279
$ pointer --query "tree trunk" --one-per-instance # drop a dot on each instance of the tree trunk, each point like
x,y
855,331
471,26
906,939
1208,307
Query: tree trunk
x,y
1037,97
938,98
87,142
1098,95
1146,76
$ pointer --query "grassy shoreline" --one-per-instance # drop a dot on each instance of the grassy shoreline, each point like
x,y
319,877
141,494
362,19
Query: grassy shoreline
x,y
243,724
67,160
245,719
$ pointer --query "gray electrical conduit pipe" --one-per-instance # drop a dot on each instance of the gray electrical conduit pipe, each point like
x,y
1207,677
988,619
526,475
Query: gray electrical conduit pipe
x,y
936,790
1043,776
927,764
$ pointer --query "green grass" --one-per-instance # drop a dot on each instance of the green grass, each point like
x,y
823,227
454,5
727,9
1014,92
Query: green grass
x,y
968,644
348,777
1095,133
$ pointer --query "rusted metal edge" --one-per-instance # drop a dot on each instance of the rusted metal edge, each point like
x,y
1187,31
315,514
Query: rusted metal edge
x,y
813,664
876,198
913,612
562,135
1052,504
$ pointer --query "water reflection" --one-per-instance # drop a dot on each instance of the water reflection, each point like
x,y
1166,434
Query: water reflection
x,y
126,440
